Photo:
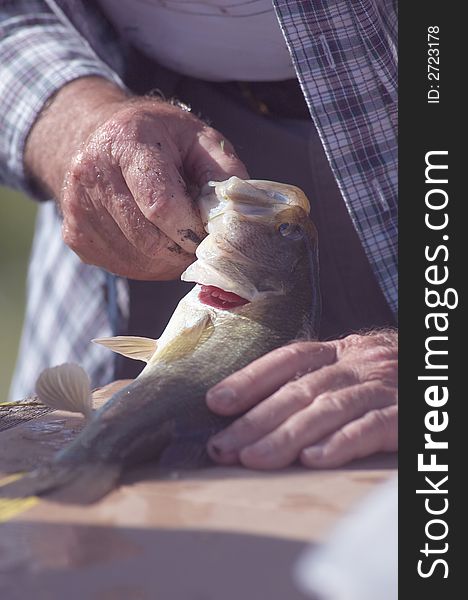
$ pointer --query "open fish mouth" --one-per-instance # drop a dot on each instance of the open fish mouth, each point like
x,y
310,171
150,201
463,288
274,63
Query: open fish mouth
x,y
252,200
221,290
217,298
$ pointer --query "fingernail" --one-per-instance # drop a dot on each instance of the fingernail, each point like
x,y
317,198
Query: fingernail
x,y
222,443
215,449
219,452
313,453
223,397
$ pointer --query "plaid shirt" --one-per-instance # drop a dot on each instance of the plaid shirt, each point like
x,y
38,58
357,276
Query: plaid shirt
x,y
344,53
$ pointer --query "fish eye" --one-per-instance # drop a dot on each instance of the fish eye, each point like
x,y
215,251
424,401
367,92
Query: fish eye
x,y
292,231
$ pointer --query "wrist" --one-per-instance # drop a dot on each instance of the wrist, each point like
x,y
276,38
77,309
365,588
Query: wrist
x,y
63,125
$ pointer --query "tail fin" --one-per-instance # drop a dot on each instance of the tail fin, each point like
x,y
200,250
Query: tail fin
x,y
71,484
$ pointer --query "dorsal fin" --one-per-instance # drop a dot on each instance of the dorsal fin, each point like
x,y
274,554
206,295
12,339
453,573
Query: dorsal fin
x,y
138,348
65,387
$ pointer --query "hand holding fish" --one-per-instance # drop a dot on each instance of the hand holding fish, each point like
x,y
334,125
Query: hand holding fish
x,y
324,403
124,171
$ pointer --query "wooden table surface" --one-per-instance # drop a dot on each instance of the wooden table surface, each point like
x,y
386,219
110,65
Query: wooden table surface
x,y
212,534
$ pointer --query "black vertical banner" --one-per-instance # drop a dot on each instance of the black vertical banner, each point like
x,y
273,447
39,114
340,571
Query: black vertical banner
x,y
433,259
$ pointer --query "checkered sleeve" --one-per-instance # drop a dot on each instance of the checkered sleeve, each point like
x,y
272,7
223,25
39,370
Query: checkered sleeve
x,y
38,55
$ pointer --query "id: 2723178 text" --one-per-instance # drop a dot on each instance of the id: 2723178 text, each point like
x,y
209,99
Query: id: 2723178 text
x,y
433,73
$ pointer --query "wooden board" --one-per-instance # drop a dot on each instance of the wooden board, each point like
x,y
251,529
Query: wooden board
x,y
218,533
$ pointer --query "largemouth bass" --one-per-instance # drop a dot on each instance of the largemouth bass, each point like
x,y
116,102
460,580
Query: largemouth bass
x,y
256,288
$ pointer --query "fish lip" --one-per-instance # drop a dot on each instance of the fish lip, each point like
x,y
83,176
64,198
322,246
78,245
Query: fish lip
x,y
269,193
239,195
212,277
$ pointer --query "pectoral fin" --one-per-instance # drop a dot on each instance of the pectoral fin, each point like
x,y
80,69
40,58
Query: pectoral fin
x,y
186,341
66,387
138,348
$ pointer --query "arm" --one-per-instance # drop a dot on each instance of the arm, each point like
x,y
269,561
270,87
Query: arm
x,y
118,166
38,56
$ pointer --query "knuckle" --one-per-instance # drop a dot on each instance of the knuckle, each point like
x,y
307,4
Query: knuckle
x,y
385,342
348,346
348,443
128,123
392,392
152,243
390,441
289,435
220,140
342,446
84,167
72,236
76,206
79,248
353,340
215,139
213,134
118,136
141,121
379,420
387,338
298,350
159,206
381,353
338,376
299,393
345,438
71,239
247,425
354,343
74,240
80,165
328,402
386,372
347,374
246,378
369,360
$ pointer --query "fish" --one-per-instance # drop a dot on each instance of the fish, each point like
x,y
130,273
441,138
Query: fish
x,y
256,289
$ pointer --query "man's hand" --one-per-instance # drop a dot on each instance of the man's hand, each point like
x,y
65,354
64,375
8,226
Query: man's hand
x,y
125,171
324,403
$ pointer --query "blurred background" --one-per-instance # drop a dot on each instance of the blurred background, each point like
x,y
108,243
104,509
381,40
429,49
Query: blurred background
x,y
17,215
